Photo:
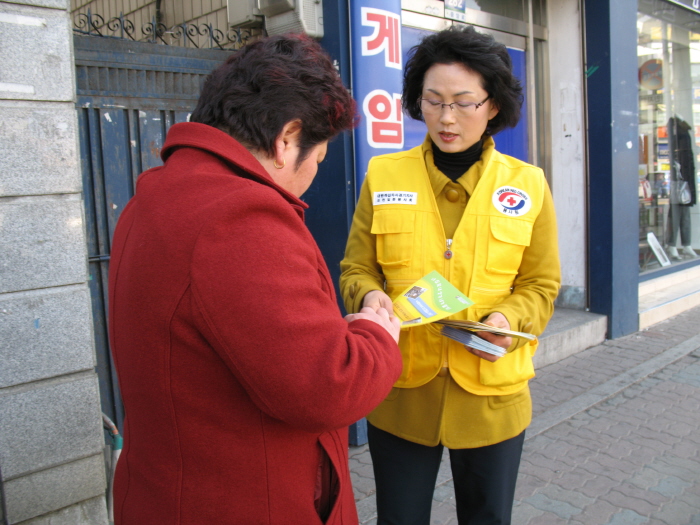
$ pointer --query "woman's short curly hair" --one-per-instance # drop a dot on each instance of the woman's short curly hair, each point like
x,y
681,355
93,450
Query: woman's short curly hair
x,y
477,52
273,81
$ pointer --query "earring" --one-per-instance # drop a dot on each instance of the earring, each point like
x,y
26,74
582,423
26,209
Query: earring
x,y
284,163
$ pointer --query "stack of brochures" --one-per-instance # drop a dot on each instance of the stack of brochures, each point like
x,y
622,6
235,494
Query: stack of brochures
x,y
475,326
461,330
472,341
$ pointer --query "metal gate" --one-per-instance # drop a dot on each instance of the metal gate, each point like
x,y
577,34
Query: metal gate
x,y
129,94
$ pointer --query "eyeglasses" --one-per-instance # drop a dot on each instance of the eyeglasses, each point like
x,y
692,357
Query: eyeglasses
x,y
433,107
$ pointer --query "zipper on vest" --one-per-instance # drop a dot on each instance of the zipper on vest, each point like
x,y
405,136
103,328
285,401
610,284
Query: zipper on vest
x,y
445,363
448,252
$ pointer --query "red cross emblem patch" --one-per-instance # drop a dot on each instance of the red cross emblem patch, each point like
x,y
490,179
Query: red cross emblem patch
x,y
511,201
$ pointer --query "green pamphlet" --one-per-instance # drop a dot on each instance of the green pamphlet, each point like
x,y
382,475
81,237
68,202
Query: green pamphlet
x,y
429,299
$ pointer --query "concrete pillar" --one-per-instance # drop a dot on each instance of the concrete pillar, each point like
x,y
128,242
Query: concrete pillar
x,y
568,128
51,438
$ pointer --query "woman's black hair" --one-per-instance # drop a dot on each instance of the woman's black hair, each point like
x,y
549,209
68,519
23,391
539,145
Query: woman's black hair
x,y
477,52
271,82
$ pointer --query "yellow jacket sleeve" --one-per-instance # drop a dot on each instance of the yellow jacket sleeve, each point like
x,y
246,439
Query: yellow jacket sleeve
x,y
530,306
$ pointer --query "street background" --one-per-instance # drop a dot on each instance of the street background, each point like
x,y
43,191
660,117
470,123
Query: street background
x,y
615,437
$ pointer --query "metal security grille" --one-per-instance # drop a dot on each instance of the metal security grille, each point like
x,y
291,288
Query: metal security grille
x,y
201,36
129,94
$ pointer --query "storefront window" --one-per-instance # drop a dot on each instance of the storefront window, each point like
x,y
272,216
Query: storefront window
x,y
668,53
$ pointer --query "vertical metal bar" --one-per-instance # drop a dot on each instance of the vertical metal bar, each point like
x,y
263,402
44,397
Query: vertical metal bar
x,y
132,128
133,146
88,137
531,88
97,171
211,35
89,17
181,116
117,175
151,138
88,179
667,72
154,32
168,120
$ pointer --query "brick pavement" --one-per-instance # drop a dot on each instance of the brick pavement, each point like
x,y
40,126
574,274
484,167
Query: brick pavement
x,y
615,438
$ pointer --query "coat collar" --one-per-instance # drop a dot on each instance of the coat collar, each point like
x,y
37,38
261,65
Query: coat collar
x,y
473,175
216,142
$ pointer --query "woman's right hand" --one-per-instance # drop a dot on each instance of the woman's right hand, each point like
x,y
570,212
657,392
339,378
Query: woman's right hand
x,y
498,320
382,317
377,299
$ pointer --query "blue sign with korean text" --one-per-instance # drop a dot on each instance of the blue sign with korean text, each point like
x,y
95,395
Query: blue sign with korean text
x,y
377,76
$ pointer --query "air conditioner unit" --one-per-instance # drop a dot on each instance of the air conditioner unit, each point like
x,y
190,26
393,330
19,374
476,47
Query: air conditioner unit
x,y
275,7
293,16
244,13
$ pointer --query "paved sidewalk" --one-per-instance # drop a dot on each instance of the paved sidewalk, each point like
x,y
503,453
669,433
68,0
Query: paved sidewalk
x,y
615,437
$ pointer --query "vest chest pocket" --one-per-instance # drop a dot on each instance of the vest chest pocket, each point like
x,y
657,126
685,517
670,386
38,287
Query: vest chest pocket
x,y
395,231
510,237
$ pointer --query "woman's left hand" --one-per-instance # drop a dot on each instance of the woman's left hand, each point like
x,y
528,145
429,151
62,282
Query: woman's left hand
x,y
498,320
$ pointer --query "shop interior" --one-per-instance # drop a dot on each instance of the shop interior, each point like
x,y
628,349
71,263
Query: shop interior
x,y
668,51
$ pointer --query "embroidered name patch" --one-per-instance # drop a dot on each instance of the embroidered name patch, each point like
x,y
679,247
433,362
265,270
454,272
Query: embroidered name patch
x,y
395,197
511,201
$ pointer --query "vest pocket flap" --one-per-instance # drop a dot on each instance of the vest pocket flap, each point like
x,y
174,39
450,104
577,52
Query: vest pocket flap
x,y
394,231
510,237
513,231
393,221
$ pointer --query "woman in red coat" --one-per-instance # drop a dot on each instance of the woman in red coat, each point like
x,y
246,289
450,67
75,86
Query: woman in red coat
x,y
238,373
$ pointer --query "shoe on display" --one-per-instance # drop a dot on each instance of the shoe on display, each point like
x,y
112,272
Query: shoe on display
x,y
687,250
673,252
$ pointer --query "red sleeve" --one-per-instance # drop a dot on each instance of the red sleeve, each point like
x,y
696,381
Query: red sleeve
x,y
259,285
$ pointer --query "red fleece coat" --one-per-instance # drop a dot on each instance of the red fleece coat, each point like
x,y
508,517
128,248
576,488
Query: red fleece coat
x,y
238,373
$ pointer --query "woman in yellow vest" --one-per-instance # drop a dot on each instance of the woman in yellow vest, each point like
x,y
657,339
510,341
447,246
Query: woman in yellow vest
x,y
486,222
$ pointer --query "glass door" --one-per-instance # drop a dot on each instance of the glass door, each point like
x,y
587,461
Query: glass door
x,y
668,52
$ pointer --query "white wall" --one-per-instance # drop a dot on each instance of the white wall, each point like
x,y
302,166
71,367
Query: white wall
x,y
568,150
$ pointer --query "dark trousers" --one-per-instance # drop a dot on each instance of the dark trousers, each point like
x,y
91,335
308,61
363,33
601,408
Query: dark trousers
x,y
678,219
405,474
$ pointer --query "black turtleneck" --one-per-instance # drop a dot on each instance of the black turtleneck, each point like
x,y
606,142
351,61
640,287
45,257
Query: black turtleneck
x,y
454,165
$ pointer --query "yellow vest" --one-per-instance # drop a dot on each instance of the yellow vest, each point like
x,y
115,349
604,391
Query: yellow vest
x,y
486,248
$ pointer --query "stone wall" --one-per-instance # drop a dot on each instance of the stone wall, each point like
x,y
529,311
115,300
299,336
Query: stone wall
x,y
51,439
